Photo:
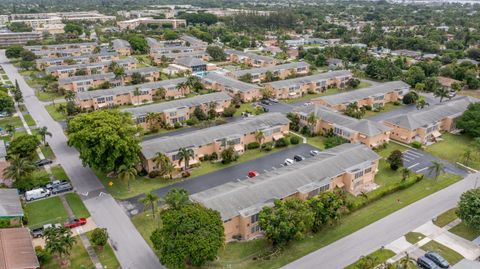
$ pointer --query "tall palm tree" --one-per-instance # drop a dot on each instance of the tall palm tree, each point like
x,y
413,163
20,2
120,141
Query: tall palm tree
x,y
184,155
435,169
441,92
182,86
59,241
259,136
312,120
43,132
150,201
126,174
160,160
137,93
169,168
18,168
151,118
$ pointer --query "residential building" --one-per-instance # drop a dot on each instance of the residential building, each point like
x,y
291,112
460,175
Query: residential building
x,y
159,57
211,140
373,96
248,92
251,59
148,74
191,65
122,47
306,41
281,71
63,71
82,59
39,22
426,125
84,48
351,167
134,23
334,64
370,133
68,16
19,38
406,53
297,87
132,94
16,249
179,110
86,83
10,206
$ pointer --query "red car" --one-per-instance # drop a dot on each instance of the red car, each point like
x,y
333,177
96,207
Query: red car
x,y
72,223
252,173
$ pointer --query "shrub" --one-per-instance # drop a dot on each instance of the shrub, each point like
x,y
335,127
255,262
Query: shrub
x,y
395,160
229,155
229,111
142,173
267,146
282,142
416,144
333,141
306,131
294,140
154,174
253,145
214,156
185,174
192,121
396,103
177,125
368,107
205,157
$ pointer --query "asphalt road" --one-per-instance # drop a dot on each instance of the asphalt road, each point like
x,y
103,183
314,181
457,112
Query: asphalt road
x,y
419,161
230,174
347,250
135,253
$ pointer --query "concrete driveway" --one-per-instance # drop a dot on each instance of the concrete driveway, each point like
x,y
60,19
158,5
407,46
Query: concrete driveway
x,y
419,161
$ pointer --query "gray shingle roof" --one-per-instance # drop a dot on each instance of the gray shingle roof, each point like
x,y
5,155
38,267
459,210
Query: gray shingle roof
x,y
247,197
68,80
10,205
80,66
229,82
84,56
189,61
187,102
425,117
126,89
3,149
120,44
143,70
250,55
54,46
357,95
209,135
262,70
309,79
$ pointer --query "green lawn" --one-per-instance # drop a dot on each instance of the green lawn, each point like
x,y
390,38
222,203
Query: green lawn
x,y
317,141
385,152
47,151
79,258
413,237
445,218
77,205
464,231
308,96
45,211
452,149
59,173
244,108
146,224
106,255
347,225
47,96
29,120
387,107
15,121
57,116
449,254
379,256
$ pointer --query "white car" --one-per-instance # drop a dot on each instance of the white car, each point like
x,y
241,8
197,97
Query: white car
x,y
314,152
288,162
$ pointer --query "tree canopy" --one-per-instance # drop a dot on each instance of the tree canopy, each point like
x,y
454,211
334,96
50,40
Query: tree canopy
x,y
469,208
24,145
469,121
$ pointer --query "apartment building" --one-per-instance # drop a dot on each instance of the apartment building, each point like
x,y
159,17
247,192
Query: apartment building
x,y
20,38
43,63
351,167
63,71
191,65
374,96
370,133
159,58
122,47
427,125
297,87
134,23
248,92
281,71
132,94
68,16
148,74
84,48
179,110
39,22
215,139
251,59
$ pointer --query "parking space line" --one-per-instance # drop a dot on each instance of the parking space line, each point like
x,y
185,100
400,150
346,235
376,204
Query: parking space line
x,y
411,166
420,170
413,153
409,158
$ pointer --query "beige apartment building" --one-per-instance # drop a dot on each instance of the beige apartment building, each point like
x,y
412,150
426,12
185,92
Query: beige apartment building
x,y
251,59
133,94
426,125
370,133
248,92
374,96
84,48
179,110
215,139
63,71
134,23
351,167
20,38
159,57
149,74
58,53
298,87
85,83
43,63
122,47
281,71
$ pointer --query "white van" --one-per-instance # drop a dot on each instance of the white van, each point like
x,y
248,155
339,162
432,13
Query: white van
x,y
36,194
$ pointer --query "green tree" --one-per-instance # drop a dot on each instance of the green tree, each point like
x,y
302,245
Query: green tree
x,y
415,75
177,198
288,220
395,159
441,92
59,241
6,103
191,234
169,34
410,98
469,121
367,262
228,155
436,169
24,145
9,128
326,207
127,174
333,141
73,28
216,53
99,237
246,78
138,43
184,155
312,121
105,139
43,133
259,136
150,201
354,111
469,208
13,51
405,173
18,168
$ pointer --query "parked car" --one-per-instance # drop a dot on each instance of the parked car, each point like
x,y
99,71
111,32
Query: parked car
x,y
37,194
273,100
55,183
62,188
37,233
298,158
288,162
4,114
43,162
452,94
265,102
437,259
252,173
314,152
49,225
72,223
426,263
246,114
307,103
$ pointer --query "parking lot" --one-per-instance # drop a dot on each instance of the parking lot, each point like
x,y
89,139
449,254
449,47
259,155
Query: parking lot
x,y
419,161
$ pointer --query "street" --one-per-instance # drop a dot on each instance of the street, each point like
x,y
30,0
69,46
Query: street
x,y
135,253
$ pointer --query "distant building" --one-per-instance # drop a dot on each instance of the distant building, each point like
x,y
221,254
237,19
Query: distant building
x,y
20,38
251,59
281,71
306,41
122,47
248,92
134,23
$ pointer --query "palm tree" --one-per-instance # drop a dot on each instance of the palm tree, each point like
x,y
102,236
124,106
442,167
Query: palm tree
x,y
312,120
185,155
169,168
137,93
182,86
43,132
18,168
441,92
435,169
150,201
160,160
405,173
162,92
70,96
59,241
9,128
126,174
421,103
259,136
151,118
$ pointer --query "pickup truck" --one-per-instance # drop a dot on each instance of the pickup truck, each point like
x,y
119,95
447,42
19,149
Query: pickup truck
x,y
62,188
55,183
72,223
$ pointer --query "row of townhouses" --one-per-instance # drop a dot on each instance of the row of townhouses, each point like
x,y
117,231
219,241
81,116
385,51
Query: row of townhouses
x,y
63,71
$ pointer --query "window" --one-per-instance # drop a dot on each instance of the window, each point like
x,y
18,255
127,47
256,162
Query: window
x,y
378,98
254,218
358,174
368,170
255,229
